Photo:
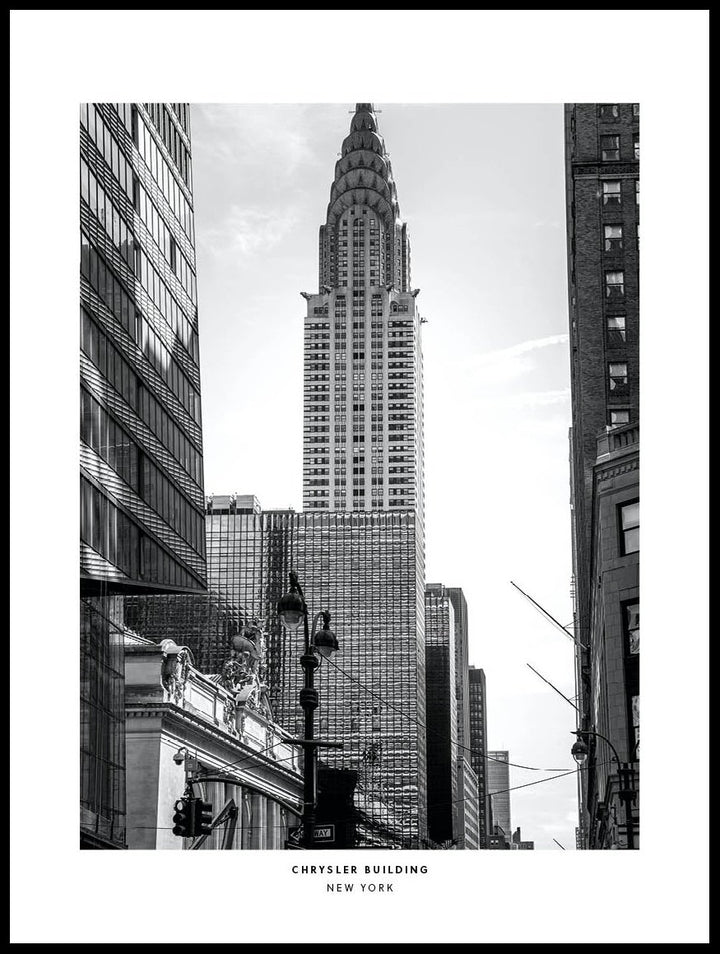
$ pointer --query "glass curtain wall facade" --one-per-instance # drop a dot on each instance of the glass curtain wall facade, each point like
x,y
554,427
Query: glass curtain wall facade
x,y
141,478
462,686
478,746
498,785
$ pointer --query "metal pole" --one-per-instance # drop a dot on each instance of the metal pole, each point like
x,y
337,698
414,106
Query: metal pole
x,y
309,703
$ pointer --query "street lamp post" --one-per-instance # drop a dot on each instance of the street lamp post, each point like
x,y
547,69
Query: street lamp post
x,y
626,790
292,610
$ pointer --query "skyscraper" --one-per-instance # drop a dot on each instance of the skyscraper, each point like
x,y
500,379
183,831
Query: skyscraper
x,y
141,475
602,147
363,412
477,714
441,715
498,783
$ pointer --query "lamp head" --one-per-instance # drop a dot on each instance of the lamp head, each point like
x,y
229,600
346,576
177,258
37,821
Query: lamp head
x,y
579,751
325,642
291,608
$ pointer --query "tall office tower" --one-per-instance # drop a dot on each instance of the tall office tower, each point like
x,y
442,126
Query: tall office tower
x,y
477,716
141,475
602,196
441,715
498,783
462,683
363,412
363,569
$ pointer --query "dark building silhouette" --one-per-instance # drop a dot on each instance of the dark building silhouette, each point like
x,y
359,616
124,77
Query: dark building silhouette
x,y
603,196
141,473
441,714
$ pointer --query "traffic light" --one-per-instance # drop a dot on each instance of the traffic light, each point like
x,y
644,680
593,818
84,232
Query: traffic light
x,y
202,817
184,818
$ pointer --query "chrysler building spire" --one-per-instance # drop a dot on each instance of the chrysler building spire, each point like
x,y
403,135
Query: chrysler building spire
x,y
363,176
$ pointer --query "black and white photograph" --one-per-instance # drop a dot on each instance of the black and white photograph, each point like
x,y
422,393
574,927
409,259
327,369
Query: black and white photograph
x,y
359,389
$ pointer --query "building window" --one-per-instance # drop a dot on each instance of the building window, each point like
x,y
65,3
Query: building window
x,y
637,192
636,109
618,375
613,238
610,148
611,193
619,416
636,146
610,111
614,285
630,528
616,329
632,627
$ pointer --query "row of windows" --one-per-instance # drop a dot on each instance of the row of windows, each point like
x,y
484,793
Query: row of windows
x,y
115,226
101,432
610,147
612,192
114,367
172,139
108,146
164,240
121,542
163,175
164,300
609,112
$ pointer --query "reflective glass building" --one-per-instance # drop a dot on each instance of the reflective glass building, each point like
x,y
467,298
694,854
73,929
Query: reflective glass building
x,y
141,475
498,783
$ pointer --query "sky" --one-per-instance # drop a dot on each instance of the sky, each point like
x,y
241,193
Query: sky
x,y
482,190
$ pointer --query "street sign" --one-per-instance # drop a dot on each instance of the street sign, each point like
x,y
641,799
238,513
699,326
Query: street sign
x,y
321,833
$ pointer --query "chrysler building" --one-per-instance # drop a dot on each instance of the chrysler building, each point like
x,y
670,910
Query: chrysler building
x,y
363,398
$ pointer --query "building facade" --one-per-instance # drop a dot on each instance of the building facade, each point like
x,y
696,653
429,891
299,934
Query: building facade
x,y
477,717
184,726
602,148
462,678
444,806
141,472
468,836
518,844
498,782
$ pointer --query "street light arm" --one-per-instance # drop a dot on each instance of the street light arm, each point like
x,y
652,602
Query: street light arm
x,y
581,732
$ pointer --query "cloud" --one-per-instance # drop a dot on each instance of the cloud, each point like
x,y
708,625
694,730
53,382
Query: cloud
x,y
245,231
528,399
256,137
514,351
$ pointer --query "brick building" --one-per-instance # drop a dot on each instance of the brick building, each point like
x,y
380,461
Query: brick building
x,y
602,196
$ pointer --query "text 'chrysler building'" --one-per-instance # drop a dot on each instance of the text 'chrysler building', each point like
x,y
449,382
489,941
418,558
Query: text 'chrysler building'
x,y
363,406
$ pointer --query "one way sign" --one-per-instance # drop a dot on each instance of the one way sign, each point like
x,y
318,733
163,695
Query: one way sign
x,y
325,833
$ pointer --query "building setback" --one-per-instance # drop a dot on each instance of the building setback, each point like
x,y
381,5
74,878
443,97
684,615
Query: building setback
x,y
603,195
477,716
498,782
141,473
